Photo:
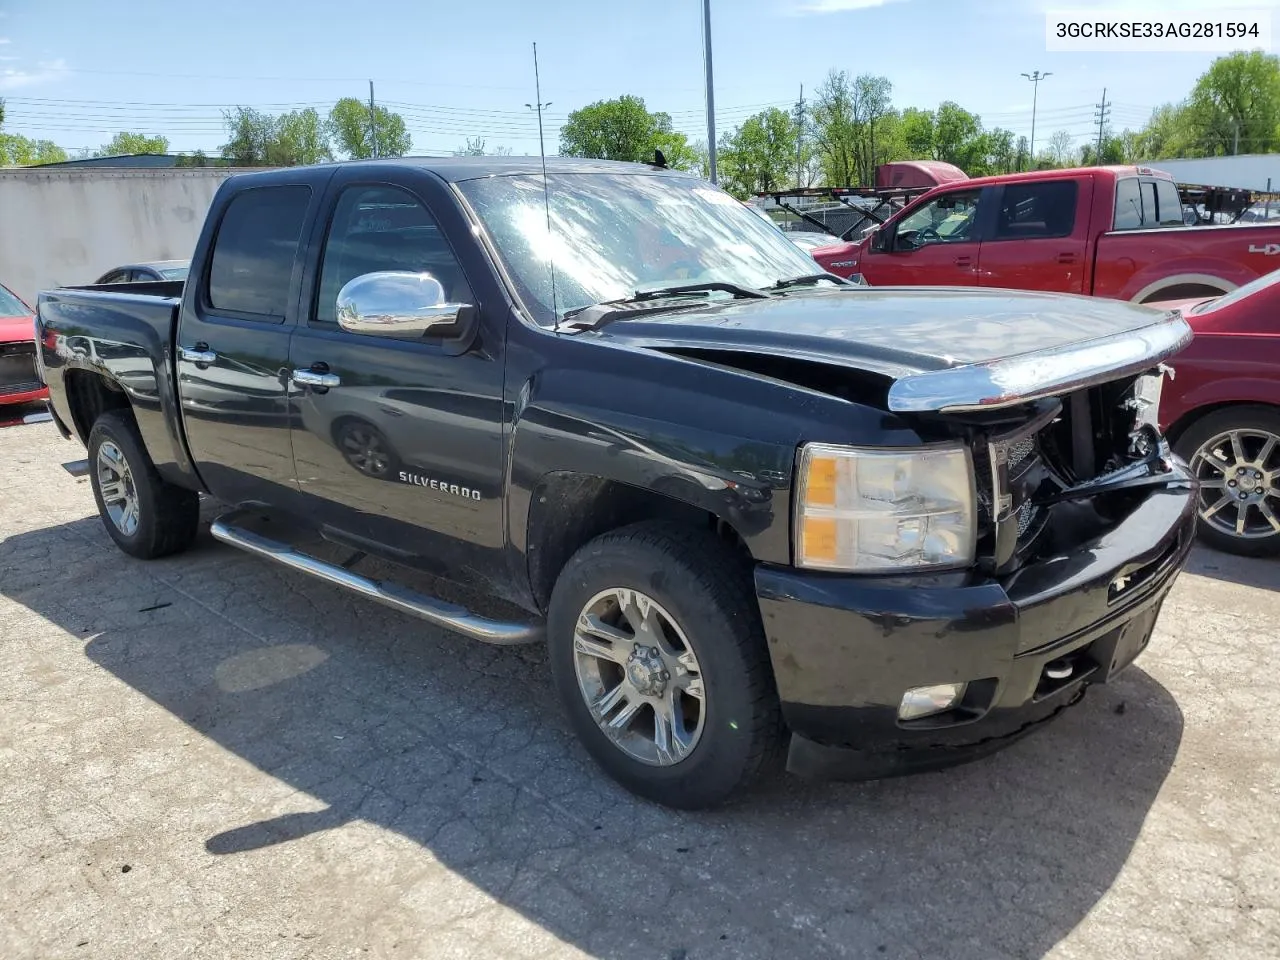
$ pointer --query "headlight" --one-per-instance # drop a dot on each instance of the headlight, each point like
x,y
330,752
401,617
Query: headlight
x,y
879,510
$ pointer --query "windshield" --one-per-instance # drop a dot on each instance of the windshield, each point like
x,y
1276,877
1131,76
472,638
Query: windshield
x,y
1239,293
174,273
11,306
614,234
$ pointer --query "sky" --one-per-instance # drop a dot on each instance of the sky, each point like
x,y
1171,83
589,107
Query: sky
x,y
77,71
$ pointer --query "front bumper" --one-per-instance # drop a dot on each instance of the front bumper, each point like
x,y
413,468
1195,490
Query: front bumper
x,y
845,649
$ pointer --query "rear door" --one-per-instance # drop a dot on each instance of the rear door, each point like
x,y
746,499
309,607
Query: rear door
x,y
233,343
1039,236
937,244
403,453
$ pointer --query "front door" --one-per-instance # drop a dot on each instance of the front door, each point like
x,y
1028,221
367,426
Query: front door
x,y
233,348
1039,237
403,452
937,244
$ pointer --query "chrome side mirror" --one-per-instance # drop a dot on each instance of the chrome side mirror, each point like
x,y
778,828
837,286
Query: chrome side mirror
x,y
393,303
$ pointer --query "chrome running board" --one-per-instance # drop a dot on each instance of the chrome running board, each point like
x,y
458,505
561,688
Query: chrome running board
x,y
439,612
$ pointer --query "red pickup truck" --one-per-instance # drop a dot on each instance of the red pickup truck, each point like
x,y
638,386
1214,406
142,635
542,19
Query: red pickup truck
x,y
1107,231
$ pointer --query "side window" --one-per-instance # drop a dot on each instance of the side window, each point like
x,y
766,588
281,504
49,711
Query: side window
x,y
950,218
1038,209
255,249
1150,217
143,276
116,276
1168,205
383,228
1128,205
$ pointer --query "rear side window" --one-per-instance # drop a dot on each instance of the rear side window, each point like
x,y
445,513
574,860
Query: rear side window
x,y
1030,210
254,252
1128,205
1168,212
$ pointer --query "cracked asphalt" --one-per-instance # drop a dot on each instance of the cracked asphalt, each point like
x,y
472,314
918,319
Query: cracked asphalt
x,y
208,756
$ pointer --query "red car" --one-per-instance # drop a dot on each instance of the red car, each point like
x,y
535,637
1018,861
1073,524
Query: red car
x,y
1106,231
1222,414
19,379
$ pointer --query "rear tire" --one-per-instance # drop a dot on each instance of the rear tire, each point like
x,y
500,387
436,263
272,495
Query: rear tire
x,y
146,516
1226,472
696,675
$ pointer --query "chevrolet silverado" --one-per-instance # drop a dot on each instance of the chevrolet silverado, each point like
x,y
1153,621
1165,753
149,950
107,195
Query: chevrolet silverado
x,y
750,508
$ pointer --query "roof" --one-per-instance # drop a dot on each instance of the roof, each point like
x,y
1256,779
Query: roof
x,y
1031,175
454,169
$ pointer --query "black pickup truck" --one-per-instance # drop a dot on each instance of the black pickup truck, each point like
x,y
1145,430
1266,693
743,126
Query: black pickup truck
x,y
747,507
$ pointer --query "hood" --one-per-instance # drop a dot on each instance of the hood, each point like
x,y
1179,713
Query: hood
x,y
13,329
911,334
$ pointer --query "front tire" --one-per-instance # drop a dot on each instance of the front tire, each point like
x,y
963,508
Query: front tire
x,y
145,516
659,658
1235,454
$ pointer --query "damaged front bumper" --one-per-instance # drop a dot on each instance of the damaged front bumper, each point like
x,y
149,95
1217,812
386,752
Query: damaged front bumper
x,y
847,649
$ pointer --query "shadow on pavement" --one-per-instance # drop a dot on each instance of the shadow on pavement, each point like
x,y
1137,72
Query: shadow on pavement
x,y
1260,572
460,748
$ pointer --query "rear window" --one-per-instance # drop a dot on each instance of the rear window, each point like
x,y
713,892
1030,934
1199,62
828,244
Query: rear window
x,y
255,249
1029,210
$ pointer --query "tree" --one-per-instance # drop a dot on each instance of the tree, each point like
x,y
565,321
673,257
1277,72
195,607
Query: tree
x,y
917,132
252,134
835,128
350,129
131,144
291,139
1060,145
1002,153
301,138
19,151
957,136
624,129
1235,105
1113,151
196,159
760,155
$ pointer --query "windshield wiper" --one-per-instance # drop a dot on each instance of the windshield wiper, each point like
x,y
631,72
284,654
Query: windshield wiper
x,y
597,314
811,279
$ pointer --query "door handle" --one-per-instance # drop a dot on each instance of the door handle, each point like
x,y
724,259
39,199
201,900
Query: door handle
x,y
200,353
1066,258
316,378
964,261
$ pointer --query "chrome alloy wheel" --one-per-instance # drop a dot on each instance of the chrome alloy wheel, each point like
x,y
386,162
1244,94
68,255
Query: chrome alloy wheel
x,y
639,677
1239,474
115,482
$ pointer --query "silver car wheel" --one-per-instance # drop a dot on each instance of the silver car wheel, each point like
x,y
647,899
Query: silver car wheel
x,y
1239,474
115,483
639,677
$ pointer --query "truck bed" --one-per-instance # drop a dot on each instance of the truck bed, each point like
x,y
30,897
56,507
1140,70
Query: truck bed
x,y
124,332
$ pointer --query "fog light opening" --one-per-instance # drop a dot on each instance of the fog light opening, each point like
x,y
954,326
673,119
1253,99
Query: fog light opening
x,y
926,701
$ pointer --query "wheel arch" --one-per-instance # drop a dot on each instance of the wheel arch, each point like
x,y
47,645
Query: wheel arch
x,y
89,396
569,509
1183,286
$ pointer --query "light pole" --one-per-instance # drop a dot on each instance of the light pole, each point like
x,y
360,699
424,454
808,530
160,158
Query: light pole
x,y
711,95
1035,78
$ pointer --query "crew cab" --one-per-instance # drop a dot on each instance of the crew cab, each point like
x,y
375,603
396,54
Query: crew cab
x,y
1115,232
747,506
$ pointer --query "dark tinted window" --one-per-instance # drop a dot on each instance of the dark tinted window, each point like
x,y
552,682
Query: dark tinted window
x,y
254,252
383,228
1037,210
116,276
144,276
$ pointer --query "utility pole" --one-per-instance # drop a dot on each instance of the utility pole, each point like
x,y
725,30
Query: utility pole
x,y
1035,78
1102,112
373,124
800,139
711,95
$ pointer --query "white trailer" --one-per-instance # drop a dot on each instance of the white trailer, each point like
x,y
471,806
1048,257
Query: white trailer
x,y
68,225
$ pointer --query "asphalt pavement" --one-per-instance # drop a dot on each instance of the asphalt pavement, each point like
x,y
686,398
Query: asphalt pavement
x,y
208,756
